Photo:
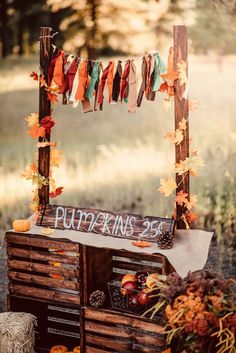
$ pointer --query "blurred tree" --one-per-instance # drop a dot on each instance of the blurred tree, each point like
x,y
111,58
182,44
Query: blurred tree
x,y
4,32
111,26
214,29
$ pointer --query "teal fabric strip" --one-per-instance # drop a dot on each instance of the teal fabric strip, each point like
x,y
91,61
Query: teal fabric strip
x,y
93,80
160,68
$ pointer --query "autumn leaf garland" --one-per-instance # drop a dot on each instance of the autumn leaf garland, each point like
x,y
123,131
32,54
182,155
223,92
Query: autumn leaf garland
x,y
191,164
38,129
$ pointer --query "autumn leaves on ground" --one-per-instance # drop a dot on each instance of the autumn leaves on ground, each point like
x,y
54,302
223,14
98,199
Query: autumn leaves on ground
x,y
114,160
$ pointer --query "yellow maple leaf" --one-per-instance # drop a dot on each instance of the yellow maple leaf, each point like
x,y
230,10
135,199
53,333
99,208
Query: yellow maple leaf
x,y
183,124
182,73
167,186
34,206
175,137
32,120
180,168
192,163
52,184
55,157
45,144
192,203
30,171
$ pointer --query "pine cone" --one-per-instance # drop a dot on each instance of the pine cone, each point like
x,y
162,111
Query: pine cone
x,y
97,298
165,240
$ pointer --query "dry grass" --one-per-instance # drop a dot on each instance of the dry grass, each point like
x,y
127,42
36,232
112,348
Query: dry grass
x,y
113,159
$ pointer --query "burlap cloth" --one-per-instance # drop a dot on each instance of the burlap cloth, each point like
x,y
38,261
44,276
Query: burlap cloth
x,y
189,253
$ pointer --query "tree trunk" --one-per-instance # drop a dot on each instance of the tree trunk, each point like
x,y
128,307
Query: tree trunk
x,y
3,30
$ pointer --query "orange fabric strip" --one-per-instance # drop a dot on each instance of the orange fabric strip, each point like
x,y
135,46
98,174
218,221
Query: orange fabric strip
x,y
83,78
110,77
58,73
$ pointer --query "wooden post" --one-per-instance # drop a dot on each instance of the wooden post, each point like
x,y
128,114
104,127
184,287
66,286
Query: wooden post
x,y
181,111
44,110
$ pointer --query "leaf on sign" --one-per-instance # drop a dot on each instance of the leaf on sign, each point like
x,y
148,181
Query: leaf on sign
x,y
181,198
36,131
192,105
52,97
55,158
34,75
183,124
32,120
47,231
175,137
141,243
47,122
167,186
57,192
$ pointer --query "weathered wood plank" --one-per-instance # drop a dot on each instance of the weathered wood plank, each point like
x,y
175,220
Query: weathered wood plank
x,y
95,350
107,316
119,225
41,242
41,280
43,293
42,256
36,267
157,258
125,333
44,110
181,111
129,266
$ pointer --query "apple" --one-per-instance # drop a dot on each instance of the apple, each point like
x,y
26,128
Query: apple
x,y
133,300
128,287
144,297
128,278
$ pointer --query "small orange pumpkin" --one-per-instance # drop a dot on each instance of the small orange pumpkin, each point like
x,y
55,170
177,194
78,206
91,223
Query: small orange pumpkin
x,y
76,349
59,349
21,225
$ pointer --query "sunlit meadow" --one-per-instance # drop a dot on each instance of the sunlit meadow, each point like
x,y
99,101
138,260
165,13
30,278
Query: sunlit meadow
x,y
113,160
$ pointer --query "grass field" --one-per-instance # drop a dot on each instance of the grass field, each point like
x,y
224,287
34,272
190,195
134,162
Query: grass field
x,y
114,160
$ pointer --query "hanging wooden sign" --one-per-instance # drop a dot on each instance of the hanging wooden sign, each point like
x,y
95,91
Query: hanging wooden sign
x,y
123,225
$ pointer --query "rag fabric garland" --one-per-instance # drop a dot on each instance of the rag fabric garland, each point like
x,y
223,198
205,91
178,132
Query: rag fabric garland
x,y
81,81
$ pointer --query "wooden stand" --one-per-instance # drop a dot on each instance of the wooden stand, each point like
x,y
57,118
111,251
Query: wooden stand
x,y
53,280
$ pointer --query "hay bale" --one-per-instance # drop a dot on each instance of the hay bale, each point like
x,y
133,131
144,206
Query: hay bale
x,y
17,332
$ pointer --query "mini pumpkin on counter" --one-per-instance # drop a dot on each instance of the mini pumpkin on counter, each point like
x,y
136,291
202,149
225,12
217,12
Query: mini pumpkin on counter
x,y
21,225
76,349
59,349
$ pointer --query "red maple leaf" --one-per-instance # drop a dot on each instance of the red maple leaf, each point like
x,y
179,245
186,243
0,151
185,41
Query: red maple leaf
x,y
52,97
34,75
191,216
47,122
56,193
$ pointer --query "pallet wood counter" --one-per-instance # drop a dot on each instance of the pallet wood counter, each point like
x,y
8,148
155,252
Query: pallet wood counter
x,y
53,278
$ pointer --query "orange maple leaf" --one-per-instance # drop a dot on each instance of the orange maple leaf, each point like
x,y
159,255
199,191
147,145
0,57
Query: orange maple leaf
x,y
181,198
191,216
36,131
167,186
55,157
52,97
42,81
141,243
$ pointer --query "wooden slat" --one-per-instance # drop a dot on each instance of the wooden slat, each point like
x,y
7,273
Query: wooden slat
x,y
138,256
35,267
41,242
42,256
135,267
126,333
43,293
107,316
95,350
116,345
41,280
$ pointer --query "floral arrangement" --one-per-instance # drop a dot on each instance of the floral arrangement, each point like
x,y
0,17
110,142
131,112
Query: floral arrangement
x,y
200,312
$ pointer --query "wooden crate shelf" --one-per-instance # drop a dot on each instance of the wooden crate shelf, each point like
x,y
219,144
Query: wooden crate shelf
x,y
109,331
53,279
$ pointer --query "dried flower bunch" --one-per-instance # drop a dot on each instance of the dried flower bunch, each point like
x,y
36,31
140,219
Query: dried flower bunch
x,y
200,312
